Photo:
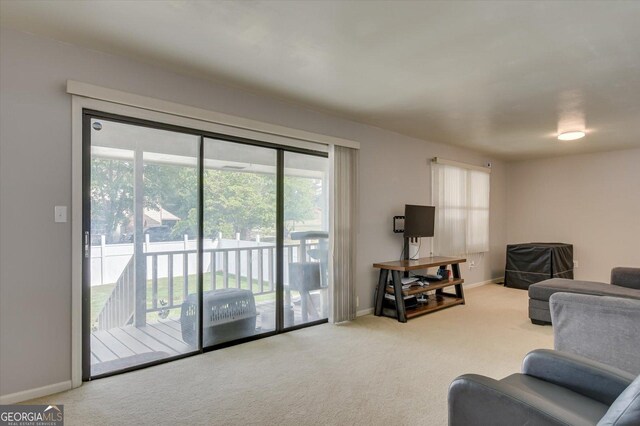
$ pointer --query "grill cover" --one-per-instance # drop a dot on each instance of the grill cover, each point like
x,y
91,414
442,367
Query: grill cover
x,y
534,262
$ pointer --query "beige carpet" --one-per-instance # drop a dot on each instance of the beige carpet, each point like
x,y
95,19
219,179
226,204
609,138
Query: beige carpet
x,y
372,371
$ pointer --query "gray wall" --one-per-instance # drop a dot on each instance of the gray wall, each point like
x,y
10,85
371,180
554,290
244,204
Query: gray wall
x,y
35,175
590,200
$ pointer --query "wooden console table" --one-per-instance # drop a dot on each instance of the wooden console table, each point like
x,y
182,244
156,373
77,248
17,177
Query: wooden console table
x,y
440,301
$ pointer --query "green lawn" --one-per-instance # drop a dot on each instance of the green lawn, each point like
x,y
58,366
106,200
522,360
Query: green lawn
x,y
100,293
99,296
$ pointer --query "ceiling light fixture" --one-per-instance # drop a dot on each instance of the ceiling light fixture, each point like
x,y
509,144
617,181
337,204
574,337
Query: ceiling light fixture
x,y
571,136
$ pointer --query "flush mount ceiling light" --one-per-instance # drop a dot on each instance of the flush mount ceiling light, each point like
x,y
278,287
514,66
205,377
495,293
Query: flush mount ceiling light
x,y
571,136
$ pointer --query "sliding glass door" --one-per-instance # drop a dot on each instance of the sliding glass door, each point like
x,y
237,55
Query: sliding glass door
x,y
142,286
195,241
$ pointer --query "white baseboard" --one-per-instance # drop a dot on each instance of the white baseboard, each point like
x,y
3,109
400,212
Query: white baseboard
x,y
491,281
28,394
368,311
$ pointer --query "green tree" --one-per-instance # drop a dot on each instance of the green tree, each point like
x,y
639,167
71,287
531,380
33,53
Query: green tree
x,y
112,192
174,188
245,203
301,196
234,202
111,195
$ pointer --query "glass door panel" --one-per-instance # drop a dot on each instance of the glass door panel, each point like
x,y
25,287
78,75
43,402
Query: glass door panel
x,y
306,238
239,248
143,282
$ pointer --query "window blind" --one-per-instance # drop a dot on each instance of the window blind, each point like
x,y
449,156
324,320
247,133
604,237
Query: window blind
x,y
461,198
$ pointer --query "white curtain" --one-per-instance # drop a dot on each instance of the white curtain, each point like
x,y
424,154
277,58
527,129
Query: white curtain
x,y
344,212
461,197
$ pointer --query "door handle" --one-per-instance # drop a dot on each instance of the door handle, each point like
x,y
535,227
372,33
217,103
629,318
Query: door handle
x,y
86,244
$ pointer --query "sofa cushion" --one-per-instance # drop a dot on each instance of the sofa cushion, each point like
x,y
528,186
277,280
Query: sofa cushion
x,y
544,289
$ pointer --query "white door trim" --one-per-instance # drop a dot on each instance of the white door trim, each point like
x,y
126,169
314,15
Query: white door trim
x,y
76,241
231,124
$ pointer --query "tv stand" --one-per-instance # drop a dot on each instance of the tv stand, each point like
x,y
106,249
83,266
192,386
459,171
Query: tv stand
x,y
440,300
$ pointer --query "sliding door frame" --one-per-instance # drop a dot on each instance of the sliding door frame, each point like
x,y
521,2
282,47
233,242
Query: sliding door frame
x,y
87,115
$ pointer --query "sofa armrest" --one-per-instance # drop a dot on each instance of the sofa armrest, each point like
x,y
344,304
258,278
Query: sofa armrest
x,y
479,400
626,277
587,377
602,328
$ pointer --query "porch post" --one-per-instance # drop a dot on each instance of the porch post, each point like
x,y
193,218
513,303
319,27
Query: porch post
x,y
140,317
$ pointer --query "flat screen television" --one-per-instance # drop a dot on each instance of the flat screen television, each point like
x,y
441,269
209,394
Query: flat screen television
x,y
418,221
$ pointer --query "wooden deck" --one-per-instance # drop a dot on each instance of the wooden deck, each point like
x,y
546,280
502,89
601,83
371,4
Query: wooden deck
x,y
124,347
119,348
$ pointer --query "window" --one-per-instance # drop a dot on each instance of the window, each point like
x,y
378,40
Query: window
x,y
461,197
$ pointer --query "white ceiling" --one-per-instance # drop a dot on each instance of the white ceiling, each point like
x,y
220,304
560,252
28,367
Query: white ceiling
x,y
499,77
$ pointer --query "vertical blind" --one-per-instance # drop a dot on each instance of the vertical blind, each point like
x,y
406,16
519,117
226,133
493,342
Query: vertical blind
x,y
344,212
461,198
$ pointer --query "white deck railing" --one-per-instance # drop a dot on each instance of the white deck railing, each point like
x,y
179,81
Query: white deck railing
x,y
226,268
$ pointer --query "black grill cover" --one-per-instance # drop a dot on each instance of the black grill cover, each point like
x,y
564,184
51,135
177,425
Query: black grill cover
x,y
534,262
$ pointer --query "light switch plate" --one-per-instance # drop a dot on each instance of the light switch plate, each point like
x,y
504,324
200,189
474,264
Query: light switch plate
x,y
60,214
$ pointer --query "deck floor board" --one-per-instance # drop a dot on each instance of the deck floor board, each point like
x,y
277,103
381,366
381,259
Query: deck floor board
x,y
136,345
166,339
101,351
149,341
116,346
168,330
174,324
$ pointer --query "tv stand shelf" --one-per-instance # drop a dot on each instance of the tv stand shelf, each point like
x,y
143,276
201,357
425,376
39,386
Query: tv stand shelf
x,y
434,302
434,285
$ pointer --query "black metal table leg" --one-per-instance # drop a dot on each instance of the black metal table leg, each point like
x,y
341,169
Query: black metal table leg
x,y
382,283
455,268
397,286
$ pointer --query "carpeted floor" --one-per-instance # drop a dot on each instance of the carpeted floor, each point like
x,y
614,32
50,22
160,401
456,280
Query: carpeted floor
x,y
372,371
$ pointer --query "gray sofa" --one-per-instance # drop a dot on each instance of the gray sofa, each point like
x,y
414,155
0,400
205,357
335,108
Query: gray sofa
x,y
625,282
590,379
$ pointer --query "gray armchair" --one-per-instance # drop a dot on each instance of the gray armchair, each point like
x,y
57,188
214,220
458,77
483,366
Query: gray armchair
x,y
590,379
554,388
